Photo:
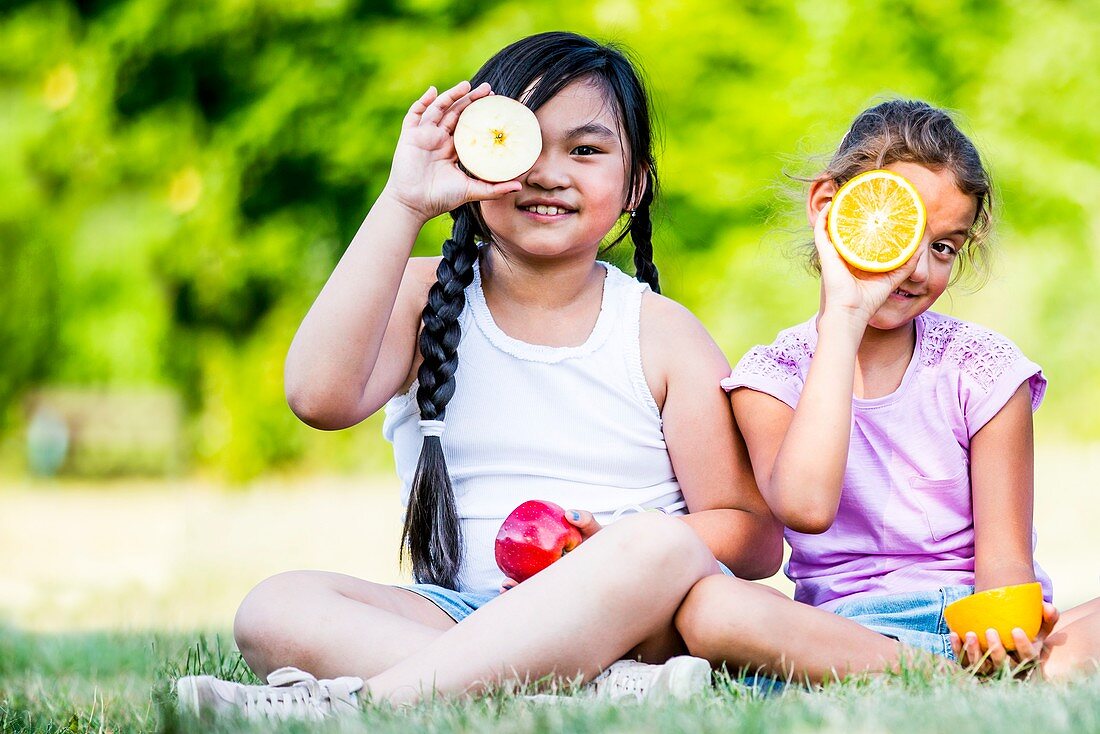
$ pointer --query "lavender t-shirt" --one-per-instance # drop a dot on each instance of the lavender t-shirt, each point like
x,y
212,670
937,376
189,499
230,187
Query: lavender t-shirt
x,y
905,521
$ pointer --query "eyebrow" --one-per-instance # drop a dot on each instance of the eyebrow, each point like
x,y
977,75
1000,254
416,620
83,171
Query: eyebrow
x,y
959,232
592,128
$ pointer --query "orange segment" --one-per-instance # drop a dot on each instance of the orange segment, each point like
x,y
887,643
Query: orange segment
x,y
876,221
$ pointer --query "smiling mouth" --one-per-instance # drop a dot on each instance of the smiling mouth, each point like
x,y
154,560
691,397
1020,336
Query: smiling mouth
x,y
904,294
548,210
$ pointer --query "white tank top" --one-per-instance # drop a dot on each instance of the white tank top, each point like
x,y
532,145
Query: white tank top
x,y
574,425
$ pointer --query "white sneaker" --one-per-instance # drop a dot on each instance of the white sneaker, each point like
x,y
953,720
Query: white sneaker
x,y
290,694
680,678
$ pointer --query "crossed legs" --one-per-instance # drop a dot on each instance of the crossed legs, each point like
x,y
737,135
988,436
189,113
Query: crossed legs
x,y
614,595
746,625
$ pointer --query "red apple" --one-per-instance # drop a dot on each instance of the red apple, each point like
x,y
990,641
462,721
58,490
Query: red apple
x,y
531,538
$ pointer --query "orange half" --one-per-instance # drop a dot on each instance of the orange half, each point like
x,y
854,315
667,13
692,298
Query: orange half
x,y
877,221
1002,609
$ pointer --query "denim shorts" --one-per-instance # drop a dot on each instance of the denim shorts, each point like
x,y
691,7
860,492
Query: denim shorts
x,y
457,604
914,618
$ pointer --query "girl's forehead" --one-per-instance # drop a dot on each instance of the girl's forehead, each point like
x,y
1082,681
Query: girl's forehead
x,y
581,105
947,205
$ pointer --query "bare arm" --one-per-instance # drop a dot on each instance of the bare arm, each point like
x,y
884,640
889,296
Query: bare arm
x,y
799,457
356,345
803,483
1002,488
684,366
1002,473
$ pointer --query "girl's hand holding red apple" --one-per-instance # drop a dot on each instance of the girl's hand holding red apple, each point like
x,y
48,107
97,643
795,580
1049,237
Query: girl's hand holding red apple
x,y
536,534
425,177
585,522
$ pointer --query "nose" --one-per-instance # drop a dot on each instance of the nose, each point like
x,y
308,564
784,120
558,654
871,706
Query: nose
x,y
920,272
547,173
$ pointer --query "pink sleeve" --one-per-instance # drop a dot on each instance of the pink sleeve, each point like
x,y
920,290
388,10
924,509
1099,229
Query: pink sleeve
x,y
769,370
991,369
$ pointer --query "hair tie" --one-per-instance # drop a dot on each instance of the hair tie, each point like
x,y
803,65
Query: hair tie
x,y
431,428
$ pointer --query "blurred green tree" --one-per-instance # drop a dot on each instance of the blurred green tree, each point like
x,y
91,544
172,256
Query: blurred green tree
x,y
177,179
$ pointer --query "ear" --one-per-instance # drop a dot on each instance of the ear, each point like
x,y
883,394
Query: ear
x,y
822,191
635,198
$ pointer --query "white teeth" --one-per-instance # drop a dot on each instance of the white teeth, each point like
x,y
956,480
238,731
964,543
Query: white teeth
x,y
543,209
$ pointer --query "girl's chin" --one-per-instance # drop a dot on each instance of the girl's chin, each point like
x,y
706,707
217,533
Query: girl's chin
x,y
894,315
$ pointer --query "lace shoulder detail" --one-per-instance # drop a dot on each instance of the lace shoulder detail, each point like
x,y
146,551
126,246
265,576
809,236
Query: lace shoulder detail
x,y
984,367
779,360
982,355
777,368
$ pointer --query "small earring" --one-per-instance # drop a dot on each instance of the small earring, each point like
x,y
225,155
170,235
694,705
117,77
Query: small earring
x,y
633,213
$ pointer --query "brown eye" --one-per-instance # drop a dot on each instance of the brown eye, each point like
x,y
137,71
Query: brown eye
x,y
944,248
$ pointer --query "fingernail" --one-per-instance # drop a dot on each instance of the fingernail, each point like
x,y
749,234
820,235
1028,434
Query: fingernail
x,y
576,515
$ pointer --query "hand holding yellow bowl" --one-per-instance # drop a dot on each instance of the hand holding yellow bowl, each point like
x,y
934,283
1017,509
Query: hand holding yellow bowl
x,y
1002,609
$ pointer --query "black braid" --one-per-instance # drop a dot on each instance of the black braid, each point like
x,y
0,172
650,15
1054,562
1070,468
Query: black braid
x,y
641,233
432,534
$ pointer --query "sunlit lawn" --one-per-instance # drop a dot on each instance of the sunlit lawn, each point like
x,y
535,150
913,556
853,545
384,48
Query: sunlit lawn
x,y
176,557
98,682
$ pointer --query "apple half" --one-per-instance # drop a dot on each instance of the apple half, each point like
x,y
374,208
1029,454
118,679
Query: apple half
x,y
497,138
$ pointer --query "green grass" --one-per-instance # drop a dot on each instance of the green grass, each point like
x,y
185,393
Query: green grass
x,y
113,682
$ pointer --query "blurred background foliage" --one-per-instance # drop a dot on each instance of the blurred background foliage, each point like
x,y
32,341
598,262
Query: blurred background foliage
x,y
177,179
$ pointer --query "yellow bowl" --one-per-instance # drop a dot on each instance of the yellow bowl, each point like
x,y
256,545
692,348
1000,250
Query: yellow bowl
x,y
1002,609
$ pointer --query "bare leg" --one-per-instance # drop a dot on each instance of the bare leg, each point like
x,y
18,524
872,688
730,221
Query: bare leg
x,y
621,587
746,625
1074,645
331,624
660,646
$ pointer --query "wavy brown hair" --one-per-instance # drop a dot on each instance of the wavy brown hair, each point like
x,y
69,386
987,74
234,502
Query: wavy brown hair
x,y
913,131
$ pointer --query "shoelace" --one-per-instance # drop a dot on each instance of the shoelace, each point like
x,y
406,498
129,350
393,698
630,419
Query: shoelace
x,y
290,693
298,700
625,680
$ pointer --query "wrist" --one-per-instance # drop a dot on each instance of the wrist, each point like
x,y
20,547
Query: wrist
x,y
1003,574
846,325
392,201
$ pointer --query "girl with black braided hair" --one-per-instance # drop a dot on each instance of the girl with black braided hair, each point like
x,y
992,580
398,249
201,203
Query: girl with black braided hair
x,y
518,366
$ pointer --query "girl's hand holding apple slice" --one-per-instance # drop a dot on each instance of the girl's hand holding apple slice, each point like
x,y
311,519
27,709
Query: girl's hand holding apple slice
x,y
425,177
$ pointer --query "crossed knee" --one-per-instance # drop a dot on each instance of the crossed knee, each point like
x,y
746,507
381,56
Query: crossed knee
x,y
654,543
718,612
271,628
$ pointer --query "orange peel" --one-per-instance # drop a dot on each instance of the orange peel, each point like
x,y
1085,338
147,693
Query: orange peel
x,y
1002,609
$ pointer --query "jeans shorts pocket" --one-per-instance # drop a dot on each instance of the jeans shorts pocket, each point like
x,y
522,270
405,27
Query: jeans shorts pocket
x,y
945,502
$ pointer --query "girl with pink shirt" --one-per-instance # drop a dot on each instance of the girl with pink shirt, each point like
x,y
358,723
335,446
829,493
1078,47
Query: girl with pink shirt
x,y
894,443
